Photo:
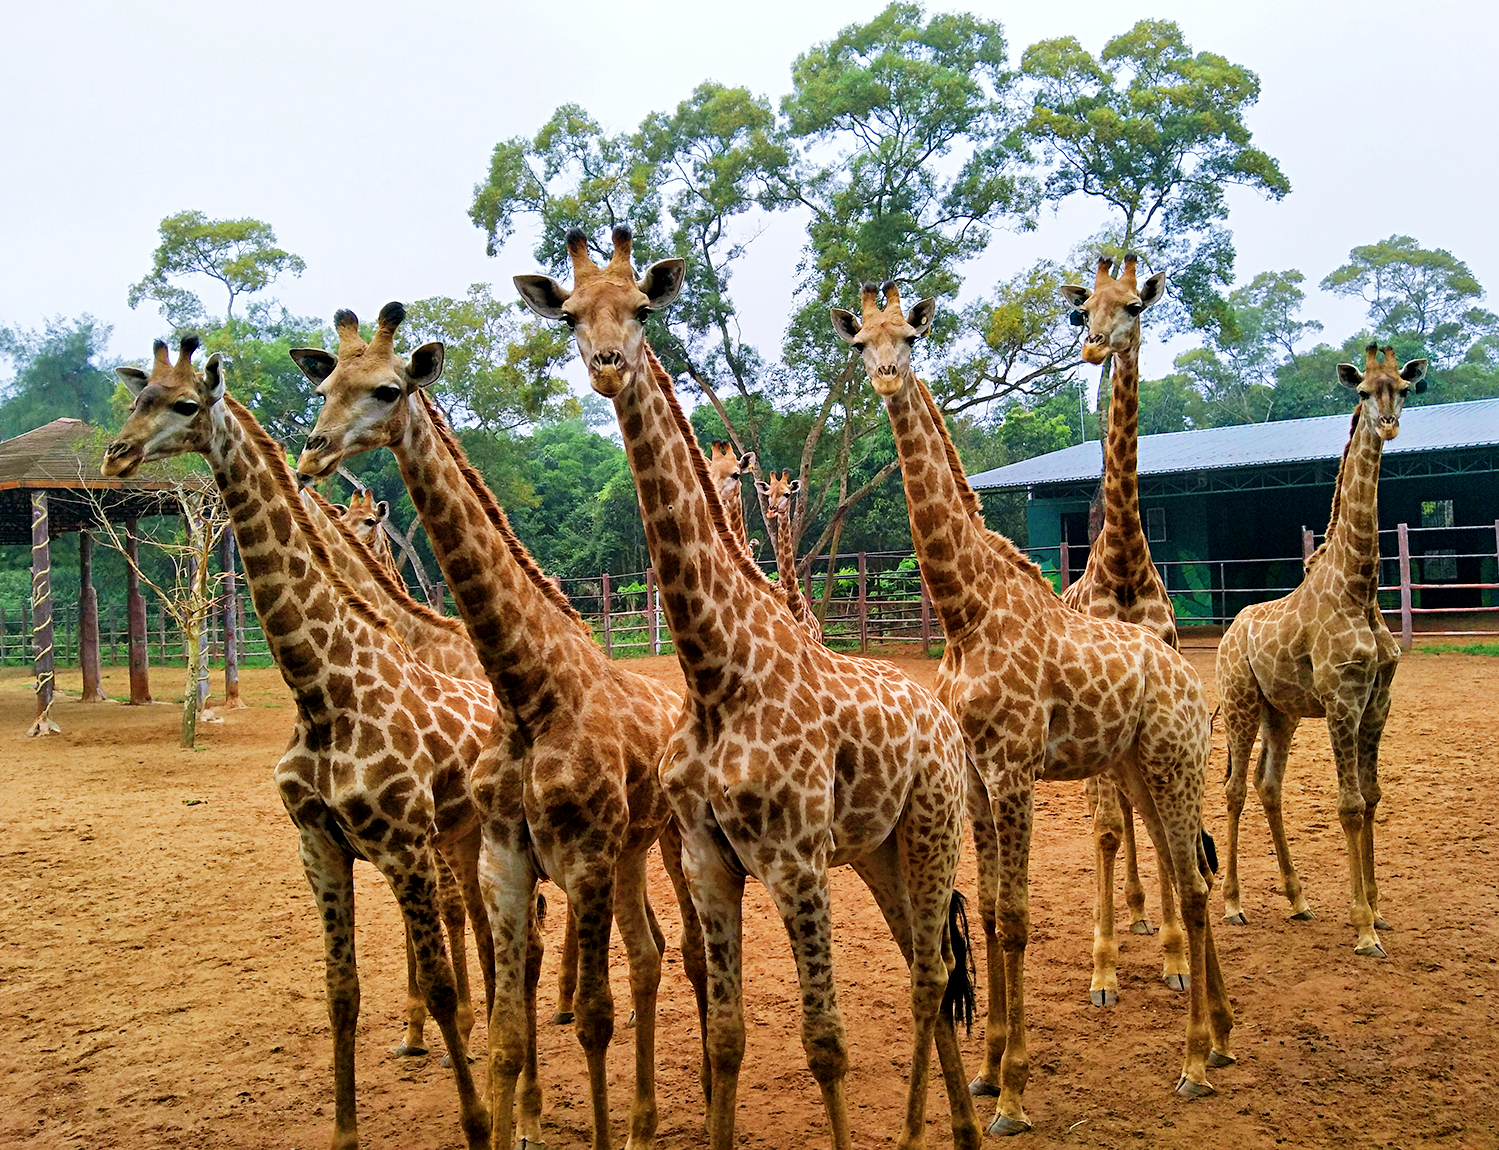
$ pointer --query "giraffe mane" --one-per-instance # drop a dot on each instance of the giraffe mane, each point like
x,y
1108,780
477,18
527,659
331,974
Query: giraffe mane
x,y
737,552
275,459
1337,498
381,574
499,521
973,506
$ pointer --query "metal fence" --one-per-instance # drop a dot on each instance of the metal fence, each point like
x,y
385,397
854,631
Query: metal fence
x,y
1436,581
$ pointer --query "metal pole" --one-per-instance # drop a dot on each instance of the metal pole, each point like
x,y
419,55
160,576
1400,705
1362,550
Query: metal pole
x,y
1064,554
1402,534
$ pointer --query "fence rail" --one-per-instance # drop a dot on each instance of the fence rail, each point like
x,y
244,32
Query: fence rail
x,y
1438,581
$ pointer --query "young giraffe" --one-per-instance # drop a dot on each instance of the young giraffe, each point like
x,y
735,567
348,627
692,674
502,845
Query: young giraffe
x,y
1041,691
726,469
577,797
789,759
777,494
1323,651
1121,582
381,761
367,519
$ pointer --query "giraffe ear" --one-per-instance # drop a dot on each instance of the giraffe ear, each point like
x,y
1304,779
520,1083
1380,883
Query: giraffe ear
x,y
1349,376
341,508
425,366
1415,372
920,316
382,511
746,461
662,281
1153,290
543,295
133,378
1074,296
793,487
846,324
316,364
213,373
762,487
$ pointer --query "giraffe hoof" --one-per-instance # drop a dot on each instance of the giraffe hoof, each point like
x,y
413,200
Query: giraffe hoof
x,y
1178,981
1373,950
562,1017
1141,926
1006,1126
1306,915
406,1051
1217,1061
1102,998
1237,918
1380,924
630,1022
1186,1088
981,1089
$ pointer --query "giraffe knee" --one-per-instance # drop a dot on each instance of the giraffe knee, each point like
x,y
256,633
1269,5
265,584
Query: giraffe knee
x,y
827,1053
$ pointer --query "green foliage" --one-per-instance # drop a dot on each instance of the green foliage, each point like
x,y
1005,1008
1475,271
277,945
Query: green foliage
x,y
241,254
60,370
1157,133
1490,649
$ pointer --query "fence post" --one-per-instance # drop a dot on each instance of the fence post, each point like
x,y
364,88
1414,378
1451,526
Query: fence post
x,y
231,622
608,630
926,620
863,606
135,618
650,610
88,621
161,631
1308,543
1402,534
439,600
2,636
1064,563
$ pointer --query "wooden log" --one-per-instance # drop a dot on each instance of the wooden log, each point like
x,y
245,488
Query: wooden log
x,y
88,622
135,607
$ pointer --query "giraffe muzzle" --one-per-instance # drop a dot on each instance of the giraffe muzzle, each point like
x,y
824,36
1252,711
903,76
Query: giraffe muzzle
x,y
121,460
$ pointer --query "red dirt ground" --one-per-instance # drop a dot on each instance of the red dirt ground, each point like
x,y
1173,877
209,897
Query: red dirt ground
x,y
161,976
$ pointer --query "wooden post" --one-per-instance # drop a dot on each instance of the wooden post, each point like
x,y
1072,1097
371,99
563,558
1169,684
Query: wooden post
x,y
439,600
88,622
1403,535
135,607
161,633
863,605
231,622
1064,563
1308,543
41,616
650,611
926,620
608,632
2,636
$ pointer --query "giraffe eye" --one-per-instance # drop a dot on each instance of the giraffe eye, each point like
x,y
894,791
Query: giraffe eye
x,y
185,407
1134,308
570,319
387,393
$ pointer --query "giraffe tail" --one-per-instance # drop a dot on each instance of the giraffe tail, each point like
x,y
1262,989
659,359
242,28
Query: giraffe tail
x,y
1207,853
959,999
541,909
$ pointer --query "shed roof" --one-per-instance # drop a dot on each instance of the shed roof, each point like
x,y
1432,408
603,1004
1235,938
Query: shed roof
x,y
1433,427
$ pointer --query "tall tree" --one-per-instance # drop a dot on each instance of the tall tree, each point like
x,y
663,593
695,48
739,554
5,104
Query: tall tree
x,y
240,254
59,371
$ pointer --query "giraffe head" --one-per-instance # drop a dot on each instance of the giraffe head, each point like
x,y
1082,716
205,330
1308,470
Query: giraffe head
x,y
606,308
364,387
1382,388
778,493
172,412
1112,309
364,516
885,336
726,467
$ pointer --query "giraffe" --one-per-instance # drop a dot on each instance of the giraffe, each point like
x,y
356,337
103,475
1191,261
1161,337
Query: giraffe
x,y
1121,582
367,518
726,468
1323,651
777,493
577,798
1041,691
789,758
381,761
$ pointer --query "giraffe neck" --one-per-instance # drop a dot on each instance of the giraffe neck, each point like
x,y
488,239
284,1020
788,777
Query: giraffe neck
x,y
380,547
527,638
1353,536
709,595
733,510
785,556
969,571
311,621
1123,538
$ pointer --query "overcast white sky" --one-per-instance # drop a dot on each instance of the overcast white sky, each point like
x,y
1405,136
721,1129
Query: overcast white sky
x,y
359,132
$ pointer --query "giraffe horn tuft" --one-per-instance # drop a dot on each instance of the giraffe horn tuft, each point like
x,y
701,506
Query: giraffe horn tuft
x,y
1127,275
584,268
160,360
391,316
1371,358
1104,274
624,242
891,291
869,301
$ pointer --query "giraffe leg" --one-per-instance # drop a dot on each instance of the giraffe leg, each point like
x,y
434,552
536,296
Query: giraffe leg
x,y
1107,832
330,873
509,885
642,938
694,962
1343,722
986,857
590,896
416,890
1371,731
1175,969
1134,889
1013,802
454,921
462,858
413,1045
718,895
529,1122
800,892
1276,730
1240,729
567,970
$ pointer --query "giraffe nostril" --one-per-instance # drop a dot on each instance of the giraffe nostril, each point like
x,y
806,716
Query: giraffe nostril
x,y
317,442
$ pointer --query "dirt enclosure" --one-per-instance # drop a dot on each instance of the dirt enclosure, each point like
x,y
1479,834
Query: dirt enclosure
x,y
161,978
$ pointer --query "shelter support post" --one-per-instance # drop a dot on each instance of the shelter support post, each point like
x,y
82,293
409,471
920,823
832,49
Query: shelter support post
x,y
231,623
1402,533
135,606
41,616
88,622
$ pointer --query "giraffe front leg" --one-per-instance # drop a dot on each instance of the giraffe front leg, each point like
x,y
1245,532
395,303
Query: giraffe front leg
x,y
1108,830
590,896
1276,730
1134,889
1013,810
641,936
986,859
694,962
1235,791
1342,726
1371,731
718,895
414,1044
454,921
508,882
567,969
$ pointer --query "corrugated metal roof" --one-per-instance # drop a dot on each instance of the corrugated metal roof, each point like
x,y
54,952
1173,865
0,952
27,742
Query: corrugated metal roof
x,y
1436,427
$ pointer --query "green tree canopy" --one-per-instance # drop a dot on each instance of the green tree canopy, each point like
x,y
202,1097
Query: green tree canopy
x,y
60,370
241,254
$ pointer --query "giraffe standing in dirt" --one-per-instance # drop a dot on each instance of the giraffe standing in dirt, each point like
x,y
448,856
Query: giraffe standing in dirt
x,y
790,759
1121,582
1323,651
576,796
1041,691
777,492
380,764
